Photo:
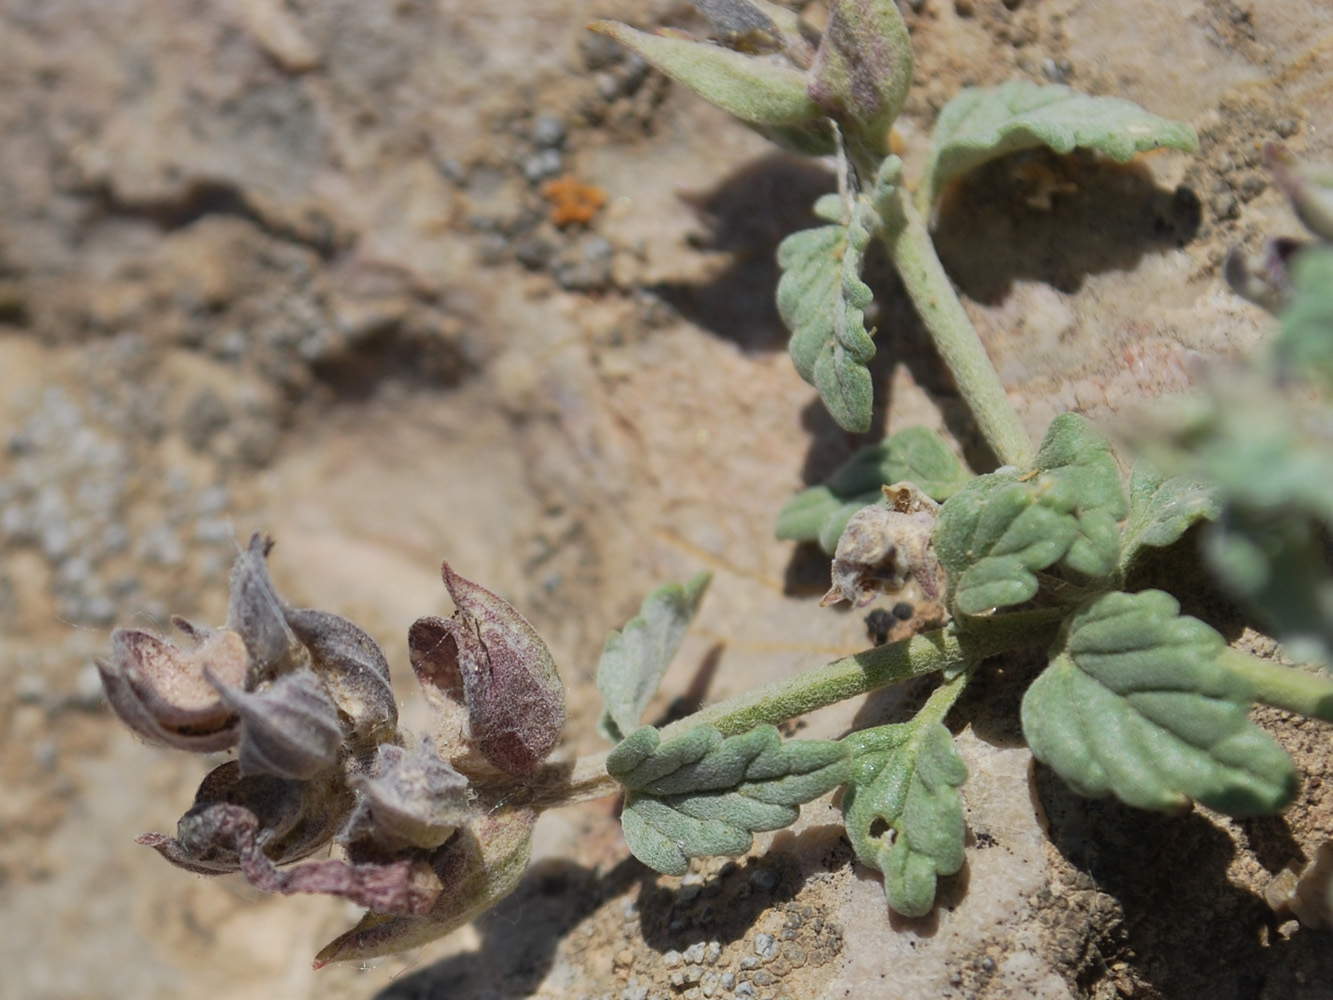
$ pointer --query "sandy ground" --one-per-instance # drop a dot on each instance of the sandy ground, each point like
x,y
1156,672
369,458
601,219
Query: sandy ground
x,y
288,267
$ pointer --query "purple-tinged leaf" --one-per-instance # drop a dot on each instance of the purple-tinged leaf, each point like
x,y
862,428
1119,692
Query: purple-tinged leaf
x,y
515,701
477,868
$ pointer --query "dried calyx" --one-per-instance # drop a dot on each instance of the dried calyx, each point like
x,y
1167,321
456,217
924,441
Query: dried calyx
x,y
884,545
303,697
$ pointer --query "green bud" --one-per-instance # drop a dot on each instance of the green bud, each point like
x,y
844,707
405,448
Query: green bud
x,y
862,70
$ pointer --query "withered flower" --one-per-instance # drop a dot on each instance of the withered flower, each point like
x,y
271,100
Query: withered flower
x,y
290,819
304,696
508,680
159,689
477,867
412,799
289,728
254,824
884,545
352,667
257,612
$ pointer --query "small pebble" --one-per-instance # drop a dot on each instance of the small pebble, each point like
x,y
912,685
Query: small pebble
x,y
764,879
548,132
765,945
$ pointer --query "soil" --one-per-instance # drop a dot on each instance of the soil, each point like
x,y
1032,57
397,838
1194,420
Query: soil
x,y
297,267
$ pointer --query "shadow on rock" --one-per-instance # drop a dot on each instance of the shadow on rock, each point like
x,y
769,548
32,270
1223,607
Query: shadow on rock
x,y
1184,928
520,934
747,215
1056,219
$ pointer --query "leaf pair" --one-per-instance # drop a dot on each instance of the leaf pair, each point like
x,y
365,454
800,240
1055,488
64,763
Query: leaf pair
x,y
1000,530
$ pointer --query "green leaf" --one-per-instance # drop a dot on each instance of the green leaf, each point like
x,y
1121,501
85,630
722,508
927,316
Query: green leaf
x,y
1268,447
902,809
1134,704
822,300
1304,347
982,124
992,538
1161,510
755,89
1281,567
995,534
1085,480
635,658
916,454
702,794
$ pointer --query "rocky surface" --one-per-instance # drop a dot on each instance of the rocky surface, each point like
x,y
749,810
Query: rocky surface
x,y
300,267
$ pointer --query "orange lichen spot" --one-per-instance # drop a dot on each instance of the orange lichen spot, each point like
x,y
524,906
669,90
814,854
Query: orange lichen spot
x,y
572,200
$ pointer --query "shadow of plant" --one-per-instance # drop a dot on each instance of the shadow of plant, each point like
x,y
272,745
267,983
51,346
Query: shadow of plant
x,y
1056,219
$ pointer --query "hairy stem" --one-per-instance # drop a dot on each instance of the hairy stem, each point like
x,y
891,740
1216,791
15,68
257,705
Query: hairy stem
x,y
1283,687
940,702
948,650
913,254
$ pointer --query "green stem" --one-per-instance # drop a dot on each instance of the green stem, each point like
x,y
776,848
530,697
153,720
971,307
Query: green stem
x,y
941,700
913,254
1283,687
948,650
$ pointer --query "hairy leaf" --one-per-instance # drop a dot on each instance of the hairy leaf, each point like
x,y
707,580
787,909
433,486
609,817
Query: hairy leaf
x,y
1000,530
1283,567
635,658
1084,480
1161,510
1134,704
1268,447
903,812
981,124
702,794
755,89
1304,348
822,300
915,455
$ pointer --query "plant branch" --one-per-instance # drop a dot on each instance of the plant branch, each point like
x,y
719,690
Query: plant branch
x,y
913,254
950,650
1283,687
